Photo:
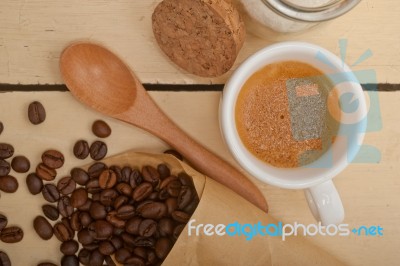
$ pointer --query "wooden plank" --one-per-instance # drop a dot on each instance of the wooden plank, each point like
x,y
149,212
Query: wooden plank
x,y
34,32
370,192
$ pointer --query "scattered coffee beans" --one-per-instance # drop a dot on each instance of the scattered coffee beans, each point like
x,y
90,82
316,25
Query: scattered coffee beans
x,y
81,149
6,150
4,259
53,159
8,184
43,228
34,184
98,150
20,164
101,129
36,113
11,234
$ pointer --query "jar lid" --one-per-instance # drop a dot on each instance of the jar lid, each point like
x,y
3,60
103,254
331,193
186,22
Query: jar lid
x,y
331,10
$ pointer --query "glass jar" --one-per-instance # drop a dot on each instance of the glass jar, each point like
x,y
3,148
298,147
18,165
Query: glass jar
x,y
286,16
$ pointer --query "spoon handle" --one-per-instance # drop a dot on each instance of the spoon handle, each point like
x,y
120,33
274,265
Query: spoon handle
x,y
147,115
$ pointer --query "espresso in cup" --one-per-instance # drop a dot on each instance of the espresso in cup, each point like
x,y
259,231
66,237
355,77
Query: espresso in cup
x,y
282,115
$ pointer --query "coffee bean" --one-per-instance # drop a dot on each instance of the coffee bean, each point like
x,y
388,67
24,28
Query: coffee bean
x,y
132,225
164,184
11,234
64,206
114,220
62,232
144,242
81,149
98,150
97,211
124,188
66,222
43,228
79,197
36,113
180,216
34,184
84,237
66,185
135,178
93,186
50,212
126,172
101,129
8,184
101,229
3,222
69,260
177,231
162,247
174,153
106,247
126,212
5,168
53,159
153,210
147,227
122,255
20,164
163,170
151,175
75,221
185,196
96,169
1,127
108,196
69,247
4,259
191,207
174,188
140,252
135,260
86,206
107,179
45,173
50,193
96,258
6,150
166,226
84,256
142,191
80,176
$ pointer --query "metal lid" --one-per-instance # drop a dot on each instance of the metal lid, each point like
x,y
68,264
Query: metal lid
x,y
325,12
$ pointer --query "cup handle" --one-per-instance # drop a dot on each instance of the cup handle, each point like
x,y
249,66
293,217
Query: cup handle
x,y
325,203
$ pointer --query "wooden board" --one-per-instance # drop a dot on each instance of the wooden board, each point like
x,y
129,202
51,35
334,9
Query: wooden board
x,y
370,192
33,33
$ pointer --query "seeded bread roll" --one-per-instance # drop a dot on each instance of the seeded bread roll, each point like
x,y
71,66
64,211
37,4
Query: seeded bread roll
x,y
201,36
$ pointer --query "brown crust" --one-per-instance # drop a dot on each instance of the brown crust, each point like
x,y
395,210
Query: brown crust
x,y
201,36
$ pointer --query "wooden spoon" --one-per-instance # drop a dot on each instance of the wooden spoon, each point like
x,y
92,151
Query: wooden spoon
x,y
99,79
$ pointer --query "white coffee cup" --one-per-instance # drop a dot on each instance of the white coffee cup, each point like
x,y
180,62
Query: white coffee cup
x,y
322,196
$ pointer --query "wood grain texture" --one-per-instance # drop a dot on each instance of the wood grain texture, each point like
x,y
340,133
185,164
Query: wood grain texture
x,y
370,192
34,32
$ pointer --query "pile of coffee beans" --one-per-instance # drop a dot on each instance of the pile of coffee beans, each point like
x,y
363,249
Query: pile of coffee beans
x,y
134,215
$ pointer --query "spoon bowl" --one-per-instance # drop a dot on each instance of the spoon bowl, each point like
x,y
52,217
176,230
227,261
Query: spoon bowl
x,y
99,79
